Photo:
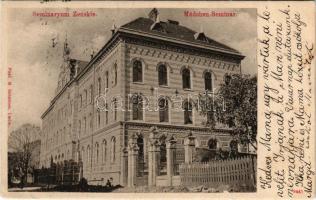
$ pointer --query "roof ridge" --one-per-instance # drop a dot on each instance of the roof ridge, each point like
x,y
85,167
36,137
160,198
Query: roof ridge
x,y
177,31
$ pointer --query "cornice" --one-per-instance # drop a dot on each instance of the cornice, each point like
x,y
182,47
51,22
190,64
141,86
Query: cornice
x,y
52,102
180,42
173,127
140,48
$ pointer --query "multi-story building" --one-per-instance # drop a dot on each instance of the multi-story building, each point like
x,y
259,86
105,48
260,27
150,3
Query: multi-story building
x,y
142,59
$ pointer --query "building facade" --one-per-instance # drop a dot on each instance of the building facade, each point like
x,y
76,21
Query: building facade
x,y
136,92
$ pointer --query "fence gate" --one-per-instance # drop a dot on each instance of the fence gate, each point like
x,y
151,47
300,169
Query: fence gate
x,y
178,158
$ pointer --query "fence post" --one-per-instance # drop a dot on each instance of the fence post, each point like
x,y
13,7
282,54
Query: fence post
x,y
188,148
153,155
124,167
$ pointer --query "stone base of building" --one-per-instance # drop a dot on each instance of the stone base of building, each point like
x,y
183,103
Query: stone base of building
x,y
150,154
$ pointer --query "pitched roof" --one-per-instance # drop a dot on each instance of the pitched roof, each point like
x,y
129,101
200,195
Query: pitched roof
x,y
175,31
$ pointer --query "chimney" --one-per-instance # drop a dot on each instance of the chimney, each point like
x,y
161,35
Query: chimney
x,y
92,55
153,14
113,29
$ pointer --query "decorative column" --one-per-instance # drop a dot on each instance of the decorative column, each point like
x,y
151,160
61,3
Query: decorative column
x,y
124,167
189,146
153,155
132,160
171,148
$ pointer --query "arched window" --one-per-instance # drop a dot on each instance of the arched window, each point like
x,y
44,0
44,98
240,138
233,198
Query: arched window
x,y
88,155
208,81
163,156
140,157
84,125
137,71
140,144
80,99
186,79
137,107
71,106
96,152
85,97
104,146
115,74
70,131
106,79
113,143
163,110
91,94
98,118
212,144
106,114
90,123
162,75
56,139
187,107
99,86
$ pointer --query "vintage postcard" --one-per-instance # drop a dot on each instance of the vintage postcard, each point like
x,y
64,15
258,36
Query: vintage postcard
x,y
134,99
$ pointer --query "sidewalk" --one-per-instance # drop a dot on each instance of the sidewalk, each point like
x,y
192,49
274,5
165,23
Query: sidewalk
x,y
25,189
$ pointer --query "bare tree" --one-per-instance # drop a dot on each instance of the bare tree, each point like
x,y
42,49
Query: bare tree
x,y
22,144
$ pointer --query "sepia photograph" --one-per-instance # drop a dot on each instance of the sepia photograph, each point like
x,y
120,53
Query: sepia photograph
x,y
132,100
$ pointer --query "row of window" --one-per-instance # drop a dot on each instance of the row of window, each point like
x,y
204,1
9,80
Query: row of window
x,y
138,113
82,125
58,137
137,110
163,76
100,152
61,157
84,98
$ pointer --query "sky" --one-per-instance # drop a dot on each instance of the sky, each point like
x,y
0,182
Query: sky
x,y
36,63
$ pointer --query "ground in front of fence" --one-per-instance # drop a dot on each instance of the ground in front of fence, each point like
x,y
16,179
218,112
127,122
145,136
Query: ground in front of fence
x,y
181,189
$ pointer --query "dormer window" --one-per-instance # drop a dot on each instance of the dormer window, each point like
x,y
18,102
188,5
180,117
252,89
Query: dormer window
x,y
201,37
157,27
